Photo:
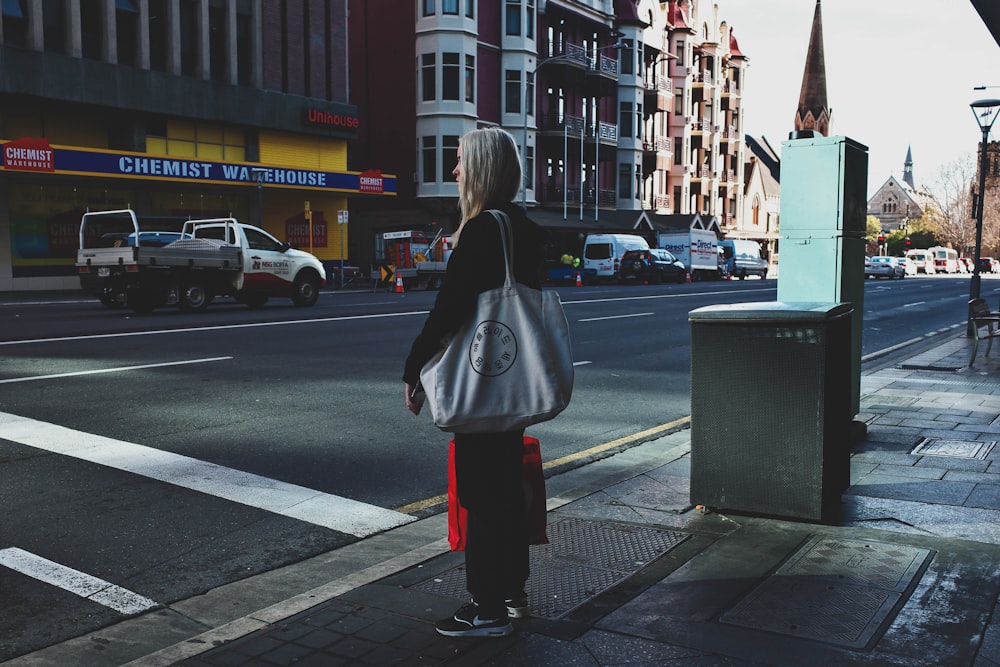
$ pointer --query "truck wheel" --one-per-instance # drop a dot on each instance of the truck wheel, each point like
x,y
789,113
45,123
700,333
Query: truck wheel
x,y
194,297
305,290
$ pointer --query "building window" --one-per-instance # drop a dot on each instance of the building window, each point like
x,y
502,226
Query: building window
x,y
529,167
529,100
428,78
678,151
624,181
449,76
625,119
244,26
679,103
188,139
638,181
189,37
449,156
158,27
514,17
627,56
529,20
449,7
127,27
680,52
638,121
218,44
428,7
430,159
15,25
54,25
512,98
470,9
470,79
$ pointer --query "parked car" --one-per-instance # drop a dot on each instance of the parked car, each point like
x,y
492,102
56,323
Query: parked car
x,y
964,265
883,267
909,268
988,265
653,265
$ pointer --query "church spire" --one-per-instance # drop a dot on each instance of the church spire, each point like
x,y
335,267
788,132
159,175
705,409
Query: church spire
x,y
908,169
813,112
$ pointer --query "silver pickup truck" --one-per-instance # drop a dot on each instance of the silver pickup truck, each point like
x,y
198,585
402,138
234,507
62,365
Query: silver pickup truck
x,y
124,263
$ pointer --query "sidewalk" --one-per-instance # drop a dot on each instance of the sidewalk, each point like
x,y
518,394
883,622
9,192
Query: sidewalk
x,y
908,575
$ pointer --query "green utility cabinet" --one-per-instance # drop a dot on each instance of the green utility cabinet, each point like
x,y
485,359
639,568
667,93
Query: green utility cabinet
x,y
769,408
824,183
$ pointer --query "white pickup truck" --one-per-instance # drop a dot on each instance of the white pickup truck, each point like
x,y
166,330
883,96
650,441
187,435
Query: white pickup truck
x,y
124,264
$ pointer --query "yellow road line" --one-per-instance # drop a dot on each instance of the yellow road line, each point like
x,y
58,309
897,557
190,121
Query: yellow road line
x,y
597,449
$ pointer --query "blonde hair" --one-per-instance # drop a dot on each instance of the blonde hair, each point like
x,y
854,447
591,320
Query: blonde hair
x,y
490,173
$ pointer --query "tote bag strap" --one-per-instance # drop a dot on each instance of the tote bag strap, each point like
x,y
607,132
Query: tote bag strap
x,y
506,239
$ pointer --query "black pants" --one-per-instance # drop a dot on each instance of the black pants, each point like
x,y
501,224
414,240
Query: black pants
x,y
488,472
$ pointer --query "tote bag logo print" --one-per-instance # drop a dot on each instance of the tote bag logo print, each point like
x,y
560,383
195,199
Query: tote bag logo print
x,y
493,349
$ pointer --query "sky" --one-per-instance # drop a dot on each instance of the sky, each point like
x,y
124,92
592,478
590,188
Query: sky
x,y
900,73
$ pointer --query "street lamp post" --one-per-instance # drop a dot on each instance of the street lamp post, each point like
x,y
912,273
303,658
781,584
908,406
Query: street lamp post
x,y
259,173
985,112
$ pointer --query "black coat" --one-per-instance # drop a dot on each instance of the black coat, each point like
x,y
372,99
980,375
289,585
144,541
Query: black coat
x,y
476,265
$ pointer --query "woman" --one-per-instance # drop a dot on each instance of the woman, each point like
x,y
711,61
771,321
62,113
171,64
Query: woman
x,y
487,465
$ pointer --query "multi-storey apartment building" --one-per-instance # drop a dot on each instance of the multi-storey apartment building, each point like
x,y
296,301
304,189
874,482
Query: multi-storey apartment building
x,y
623,108
179,108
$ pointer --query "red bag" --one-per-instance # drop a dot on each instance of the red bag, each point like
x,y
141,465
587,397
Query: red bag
x,y
534,497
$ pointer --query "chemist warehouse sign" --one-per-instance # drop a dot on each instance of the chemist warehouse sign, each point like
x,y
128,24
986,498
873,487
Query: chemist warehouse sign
x,y
35,155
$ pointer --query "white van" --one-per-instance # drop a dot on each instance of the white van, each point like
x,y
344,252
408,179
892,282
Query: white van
x,y
602,253
923,260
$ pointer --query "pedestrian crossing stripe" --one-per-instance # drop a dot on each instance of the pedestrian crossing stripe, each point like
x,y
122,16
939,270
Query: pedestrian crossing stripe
x,y
290,500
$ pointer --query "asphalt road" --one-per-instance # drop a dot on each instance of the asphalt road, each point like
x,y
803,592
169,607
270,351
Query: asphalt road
x,y
172,453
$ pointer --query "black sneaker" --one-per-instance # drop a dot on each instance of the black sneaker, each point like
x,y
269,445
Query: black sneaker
x,y
517,606
467,623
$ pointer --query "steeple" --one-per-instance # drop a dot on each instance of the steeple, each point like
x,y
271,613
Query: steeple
x,y
813,112
908,169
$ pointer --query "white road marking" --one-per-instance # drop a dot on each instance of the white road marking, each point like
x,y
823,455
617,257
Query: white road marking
x,y
915,303
112,370
582,363
221,327
79,583
613,317
298,502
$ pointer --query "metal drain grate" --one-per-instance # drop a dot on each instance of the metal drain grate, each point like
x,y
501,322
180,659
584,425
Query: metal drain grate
x,y
834,591
582,559
960,449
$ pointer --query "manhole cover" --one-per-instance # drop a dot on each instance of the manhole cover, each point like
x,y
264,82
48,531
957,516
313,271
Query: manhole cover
x,y
960,449
831,590
582,559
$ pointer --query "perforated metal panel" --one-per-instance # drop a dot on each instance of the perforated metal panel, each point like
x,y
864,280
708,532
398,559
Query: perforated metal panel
x,y
582,559
769,414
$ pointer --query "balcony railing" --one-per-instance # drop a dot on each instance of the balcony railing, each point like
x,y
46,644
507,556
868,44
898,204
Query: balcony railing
x,y
571,52
705,172
604,66
731,87
553,120
658,84
663,144
662,201
607,132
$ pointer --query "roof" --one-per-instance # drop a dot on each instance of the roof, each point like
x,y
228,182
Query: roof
x,y
607,221
989,11
678,221
676,16
768,162
626,12
734,48
813,94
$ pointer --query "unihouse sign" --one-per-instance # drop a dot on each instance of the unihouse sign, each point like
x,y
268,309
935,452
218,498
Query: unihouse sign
x,y
36,155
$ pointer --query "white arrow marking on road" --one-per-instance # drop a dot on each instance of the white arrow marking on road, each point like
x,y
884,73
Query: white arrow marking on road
x,y
298,502
79,583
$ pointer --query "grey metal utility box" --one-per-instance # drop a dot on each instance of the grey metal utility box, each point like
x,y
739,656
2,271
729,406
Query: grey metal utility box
x,y
770,407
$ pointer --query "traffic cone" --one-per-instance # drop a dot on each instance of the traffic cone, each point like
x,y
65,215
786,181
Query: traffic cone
x,y
399,284
687,276
579,280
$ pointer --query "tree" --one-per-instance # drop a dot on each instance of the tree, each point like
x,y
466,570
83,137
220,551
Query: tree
x,y
951,213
